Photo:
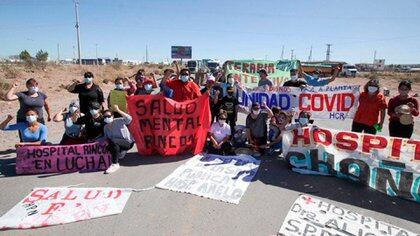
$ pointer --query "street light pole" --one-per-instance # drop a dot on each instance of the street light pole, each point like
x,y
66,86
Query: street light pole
x,y
76,6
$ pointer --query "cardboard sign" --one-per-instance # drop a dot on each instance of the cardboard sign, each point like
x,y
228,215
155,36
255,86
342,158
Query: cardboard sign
x,y
223,178
53,206
118,98
388,164
62,158
338,102
312,216
162,125
181,52
246,71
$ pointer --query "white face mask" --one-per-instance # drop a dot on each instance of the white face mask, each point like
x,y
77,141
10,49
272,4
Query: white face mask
x,y
231,81
148,87
119,86
303,121
222,122
109,120
256,112
184,78
88,80
33,90
31,118
72,109
293,77
372,89
93,112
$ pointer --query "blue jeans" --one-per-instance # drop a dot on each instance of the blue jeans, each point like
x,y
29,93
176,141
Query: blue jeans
x,y
271,138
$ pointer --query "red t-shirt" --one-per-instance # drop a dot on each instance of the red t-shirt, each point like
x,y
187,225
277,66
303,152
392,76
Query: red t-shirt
x,y
369,107
183,91
397,101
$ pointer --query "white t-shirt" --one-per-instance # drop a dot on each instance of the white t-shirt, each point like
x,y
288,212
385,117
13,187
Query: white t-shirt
x,y
220,132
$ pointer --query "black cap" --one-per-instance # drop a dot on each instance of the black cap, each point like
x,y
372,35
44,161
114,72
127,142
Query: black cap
x,y
293,70
255,105
263,71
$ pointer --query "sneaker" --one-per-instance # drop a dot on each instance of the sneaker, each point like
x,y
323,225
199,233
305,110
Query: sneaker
x,y
112,168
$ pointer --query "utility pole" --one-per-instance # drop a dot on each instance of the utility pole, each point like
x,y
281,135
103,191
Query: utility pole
x,y
147,55
282,52
58,52
327,57
310,54
76,7
374,57
74,53
97,58
291,54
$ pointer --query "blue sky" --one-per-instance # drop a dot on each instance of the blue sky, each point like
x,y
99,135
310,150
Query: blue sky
x,y
216,29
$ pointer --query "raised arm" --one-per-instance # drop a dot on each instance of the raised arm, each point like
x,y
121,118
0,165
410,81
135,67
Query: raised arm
x,y
127,117
47,109
60,115
73,86
11,94
4,124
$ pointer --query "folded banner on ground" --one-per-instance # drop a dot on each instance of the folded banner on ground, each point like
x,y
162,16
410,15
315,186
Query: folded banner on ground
x,y
162,125
329,102
312,216
62,158
53,206
246,71
388,164
223,178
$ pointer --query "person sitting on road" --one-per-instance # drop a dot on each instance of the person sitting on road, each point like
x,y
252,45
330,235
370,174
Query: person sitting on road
x,y
304,120
94,123
220,135
32,132
117,137
277,125
256,125
88,92
315,80
294,80
73,132
183,87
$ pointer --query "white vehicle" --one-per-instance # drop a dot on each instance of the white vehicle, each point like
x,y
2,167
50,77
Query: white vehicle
x,y
213,65
193,66
349,70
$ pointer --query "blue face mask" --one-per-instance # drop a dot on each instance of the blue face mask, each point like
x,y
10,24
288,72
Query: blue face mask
x,y
119,86
31,119
148,87
88,80
184,78
33,90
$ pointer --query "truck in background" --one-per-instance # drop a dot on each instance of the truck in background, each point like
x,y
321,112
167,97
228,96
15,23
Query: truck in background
x,y
349,70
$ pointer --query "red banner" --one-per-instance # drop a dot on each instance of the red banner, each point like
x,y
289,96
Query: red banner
x,y
164,126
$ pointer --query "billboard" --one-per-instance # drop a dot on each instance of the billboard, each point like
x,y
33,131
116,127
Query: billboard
x,y
181,52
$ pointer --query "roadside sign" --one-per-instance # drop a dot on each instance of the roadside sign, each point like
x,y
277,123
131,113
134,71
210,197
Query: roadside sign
x,y
181,52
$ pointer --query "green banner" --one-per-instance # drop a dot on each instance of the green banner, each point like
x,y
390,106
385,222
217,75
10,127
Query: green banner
x,y
246,71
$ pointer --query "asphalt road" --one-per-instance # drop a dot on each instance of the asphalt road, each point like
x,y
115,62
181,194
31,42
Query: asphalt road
x,y
161,212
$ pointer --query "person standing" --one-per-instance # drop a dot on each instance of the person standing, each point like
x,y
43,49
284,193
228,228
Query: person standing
x,y
215,96
230,104
88,92
117,137
183,87
264,81
401,110
256,126
294,80
32,98
372,105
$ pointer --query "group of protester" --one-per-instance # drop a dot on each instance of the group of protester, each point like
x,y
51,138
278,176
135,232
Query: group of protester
x,y
88,120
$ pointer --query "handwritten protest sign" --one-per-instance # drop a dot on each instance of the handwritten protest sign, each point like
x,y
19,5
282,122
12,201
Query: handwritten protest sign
x,y
118,98
62,158
246,71
329,102
53,206
388,164
312,216
223,178
162,125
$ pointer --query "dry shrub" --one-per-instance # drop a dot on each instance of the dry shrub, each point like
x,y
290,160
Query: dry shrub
x,y
10,71
4,88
